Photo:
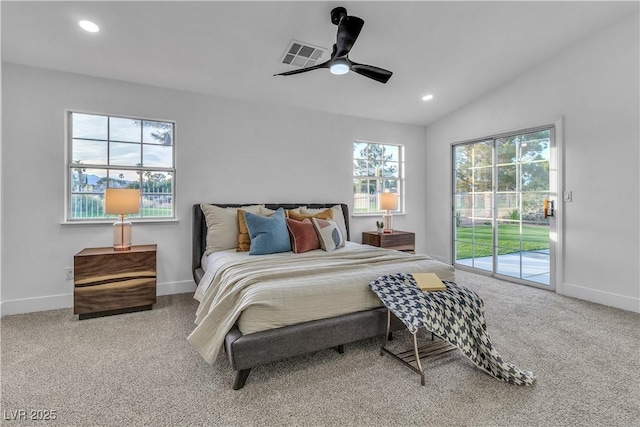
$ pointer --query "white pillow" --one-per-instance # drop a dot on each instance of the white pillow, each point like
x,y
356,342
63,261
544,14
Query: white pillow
x,y
338,217
222,226
329,234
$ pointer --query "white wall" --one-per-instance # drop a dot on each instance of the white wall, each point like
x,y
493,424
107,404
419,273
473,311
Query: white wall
x,y
227,151
1,237
594,86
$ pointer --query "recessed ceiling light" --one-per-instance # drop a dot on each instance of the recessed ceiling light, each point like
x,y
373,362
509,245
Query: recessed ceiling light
x,y
89,26
427,97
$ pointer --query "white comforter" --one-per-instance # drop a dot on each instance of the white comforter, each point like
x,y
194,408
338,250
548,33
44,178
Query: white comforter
x,y
270,291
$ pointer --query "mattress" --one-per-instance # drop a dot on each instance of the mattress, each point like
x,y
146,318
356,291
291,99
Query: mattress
x,y
271,291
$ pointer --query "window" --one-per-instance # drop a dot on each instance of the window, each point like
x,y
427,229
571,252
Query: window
x,y
119,152
376,168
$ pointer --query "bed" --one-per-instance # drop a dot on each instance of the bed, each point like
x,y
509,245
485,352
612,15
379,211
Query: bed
x,y
261,309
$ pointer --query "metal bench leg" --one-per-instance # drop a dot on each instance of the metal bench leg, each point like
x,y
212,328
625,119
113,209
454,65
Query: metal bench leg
x,y
387,334
415,349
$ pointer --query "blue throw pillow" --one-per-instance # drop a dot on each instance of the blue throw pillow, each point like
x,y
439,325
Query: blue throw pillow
x,y
268,234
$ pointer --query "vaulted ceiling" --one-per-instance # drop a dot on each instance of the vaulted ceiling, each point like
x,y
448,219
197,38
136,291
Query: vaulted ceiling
x,y
457,51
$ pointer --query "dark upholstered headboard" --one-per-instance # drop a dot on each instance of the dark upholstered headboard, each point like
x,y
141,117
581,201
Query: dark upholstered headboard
x,y
199,225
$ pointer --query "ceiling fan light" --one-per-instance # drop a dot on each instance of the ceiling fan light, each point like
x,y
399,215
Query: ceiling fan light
x,y
339,69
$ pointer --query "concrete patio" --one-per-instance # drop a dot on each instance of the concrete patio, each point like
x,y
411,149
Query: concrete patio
x,y
535,265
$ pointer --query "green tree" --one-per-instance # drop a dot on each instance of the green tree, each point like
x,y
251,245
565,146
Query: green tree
x,y
374,161
81,174
162,131
157,183
105,182
529,151
522,163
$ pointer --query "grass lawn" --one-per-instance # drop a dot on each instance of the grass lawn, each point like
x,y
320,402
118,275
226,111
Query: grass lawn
x,y
533,238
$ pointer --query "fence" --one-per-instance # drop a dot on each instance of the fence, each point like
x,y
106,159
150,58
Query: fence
x,y
365,202
153,204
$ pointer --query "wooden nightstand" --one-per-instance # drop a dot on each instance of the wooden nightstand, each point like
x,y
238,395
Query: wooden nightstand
x,y
399,240
113,282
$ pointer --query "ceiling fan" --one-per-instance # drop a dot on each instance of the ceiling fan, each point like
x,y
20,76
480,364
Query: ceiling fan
x,y
348,30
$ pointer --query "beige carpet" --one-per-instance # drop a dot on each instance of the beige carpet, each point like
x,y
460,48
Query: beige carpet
x,y
138,369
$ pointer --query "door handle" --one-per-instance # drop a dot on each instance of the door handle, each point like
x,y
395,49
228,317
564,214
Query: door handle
x,y
548,208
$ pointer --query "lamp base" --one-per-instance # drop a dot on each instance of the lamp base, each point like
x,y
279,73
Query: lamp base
x,y
122,235
388,223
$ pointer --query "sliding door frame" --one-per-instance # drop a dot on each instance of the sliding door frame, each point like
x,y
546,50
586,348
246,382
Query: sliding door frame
x,y
556,187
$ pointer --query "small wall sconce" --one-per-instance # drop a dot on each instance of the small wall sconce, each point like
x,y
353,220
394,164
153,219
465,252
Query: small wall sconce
x,y
548,208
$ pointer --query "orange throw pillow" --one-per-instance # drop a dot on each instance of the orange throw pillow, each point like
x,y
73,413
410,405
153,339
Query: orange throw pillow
x,y
326,214
244,240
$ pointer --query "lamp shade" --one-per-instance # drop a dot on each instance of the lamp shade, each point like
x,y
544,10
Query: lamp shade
x,y
121,201
389,201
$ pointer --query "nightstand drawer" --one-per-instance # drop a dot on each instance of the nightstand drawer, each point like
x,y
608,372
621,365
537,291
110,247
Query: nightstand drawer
x,y
114,296
91,264
398,240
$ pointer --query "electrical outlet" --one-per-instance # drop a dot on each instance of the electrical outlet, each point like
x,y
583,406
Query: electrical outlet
x,y
68,273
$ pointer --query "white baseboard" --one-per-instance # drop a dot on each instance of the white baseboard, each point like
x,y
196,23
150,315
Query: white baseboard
x,y
30,305
601,297
171,288
439,258
55,302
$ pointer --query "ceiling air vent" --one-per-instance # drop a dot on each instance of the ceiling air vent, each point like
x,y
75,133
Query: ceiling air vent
x,y
301,54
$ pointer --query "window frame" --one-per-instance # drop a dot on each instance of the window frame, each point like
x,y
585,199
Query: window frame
x,y
400,179
69,166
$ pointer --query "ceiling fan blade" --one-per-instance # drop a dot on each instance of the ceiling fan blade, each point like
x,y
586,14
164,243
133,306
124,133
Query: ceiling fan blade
x,y
378,74
348,31
304,70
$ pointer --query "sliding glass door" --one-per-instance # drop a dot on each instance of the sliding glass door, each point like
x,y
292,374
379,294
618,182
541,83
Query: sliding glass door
x,y
473,204
500,188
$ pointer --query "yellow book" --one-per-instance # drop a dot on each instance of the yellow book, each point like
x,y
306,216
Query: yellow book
x,y
428,282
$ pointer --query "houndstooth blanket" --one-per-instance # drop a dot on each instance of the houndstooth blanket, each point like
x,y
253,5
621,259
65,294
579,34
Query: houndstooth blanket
x,y
455,315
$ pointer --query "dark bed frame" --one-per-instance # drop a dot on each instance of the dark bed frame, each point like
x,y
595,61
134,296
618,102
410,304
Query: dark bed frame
x,y
247,351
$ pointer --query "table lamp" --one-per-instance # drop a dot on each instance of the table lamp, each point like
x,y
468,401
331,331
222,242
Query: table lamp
x,y
388,202
121,201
